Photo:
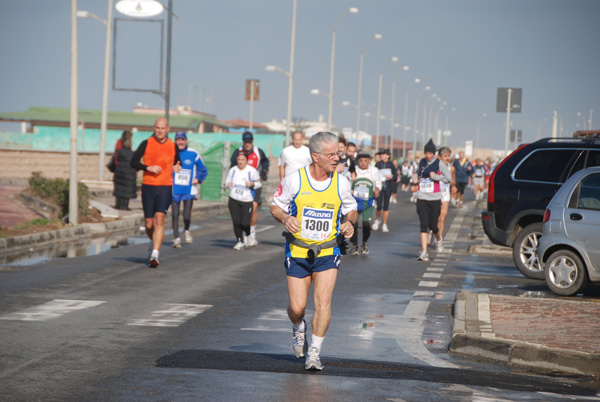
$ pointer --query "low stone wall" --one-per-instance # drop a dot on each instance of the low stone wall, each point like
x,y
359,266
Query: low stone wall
x,y
19,164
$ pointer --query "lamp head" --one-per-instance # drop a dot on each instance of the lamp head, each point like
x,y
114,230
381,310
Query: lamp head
x,y
378,36
353,10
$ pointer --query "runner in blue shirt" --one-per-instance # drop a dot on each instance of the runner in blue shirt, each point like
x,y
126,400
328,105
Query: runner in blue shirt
x,y
192,172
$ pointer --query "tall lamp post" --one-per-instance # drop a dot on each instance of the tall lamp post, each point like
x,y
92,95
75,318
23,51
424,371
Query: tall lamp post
x,y
290,75
424,130
360,74
352,10
447,120
416,81
392,125
414,144
73,203
104,117
392,59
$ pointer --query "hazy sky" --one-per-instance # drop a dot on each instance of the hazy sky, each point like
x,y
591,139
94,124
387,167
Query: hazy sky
x,y
463,49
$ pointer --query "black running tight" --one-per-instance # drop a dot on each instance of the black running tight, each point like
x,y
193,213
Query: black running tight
x,y
187,216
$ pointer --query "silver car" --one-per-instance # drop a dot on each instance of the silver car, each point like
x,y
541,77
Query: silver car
x,y
569,248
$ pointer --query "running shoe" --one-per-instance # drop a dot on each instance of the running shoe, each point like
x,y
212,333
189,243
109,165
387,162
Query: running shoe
x,y
375,225
251,242
299,344
365,248
253,237
188,237
385,228
440,246
313,359
238,246
423,256
153,262
177,243
355,250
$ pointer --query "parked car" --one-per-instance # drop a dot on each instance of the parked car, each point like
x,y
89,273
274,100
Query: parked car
x,y
521,187
569,249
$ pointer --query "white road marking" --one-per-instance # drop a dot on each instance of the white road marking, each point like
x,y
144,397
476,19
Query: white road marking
x,y
173,315
272,315
264,228
428,284
432,275
53,309
433,269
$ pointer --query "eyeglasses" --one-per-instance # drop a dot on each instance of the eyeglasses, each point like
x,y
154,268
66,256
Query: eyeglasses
x,y
329,156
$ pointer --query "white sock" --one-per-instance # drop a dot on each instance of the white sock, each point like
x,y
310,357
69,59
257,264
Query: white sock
x,y
299,327
252,230
317,341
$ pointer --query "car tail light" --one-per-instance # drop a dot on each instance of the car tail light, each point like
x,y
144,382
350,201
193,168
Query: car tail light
x,y
546,216
491,186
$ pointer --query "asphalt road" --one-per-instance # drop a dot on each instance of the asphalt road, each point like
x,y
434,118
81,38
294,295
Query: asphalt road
x,y
210,323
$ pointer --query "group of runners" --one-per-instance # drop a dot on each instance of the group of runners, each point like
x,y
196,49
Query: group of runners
x,y
325,188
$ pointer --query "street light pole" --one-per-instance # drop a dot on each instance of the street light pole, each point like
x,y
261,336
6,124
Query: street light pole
x,y
168,78
416,81
404,68
424,130
414,144
360,74
352,10
394,59
73,197
104,115
291,75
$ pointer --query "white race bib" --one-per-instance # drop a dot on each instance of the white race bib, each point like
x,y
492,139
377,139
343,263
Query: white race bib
x,y
241,192
183,177
426,186
317,224
383,174
361,193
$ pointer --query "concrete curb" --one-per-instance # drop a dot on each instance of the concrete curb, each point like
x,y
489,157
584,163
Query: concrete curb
x,y
86,230
43,238
473,335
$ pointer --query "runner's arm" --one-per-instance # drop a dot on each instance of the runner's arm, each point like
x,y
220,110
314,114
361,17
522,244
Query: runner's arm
x,y
137,156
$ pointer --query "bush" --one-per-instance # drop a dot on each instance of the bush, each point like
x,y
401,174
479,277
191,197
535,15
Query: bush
x,y
57,191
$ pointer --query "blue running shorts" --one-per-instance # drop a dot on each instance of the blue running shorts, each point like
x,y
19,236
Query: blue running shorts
x,y
303,267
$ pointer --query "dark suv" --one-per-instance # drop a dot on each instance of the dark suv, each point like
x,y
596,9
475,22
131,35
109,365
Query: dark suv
x,y
521,187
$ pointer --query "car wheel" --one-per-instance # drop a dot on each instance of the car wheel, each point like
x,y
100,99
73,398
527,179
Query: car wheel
x,y
525,251
565,273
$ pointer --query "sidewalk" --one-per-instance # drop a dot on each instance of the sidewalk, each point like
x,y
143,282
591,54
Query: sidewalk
x,y
556,334
101,200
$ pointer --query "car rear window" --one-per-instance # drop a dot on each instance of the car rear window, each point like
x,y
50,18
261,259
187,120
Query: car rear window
x,y
589,193
545,165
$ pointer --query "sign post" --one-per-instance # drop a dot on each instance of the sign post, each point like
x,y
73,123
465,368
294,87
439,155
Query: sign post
x,y
508,100
252,94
